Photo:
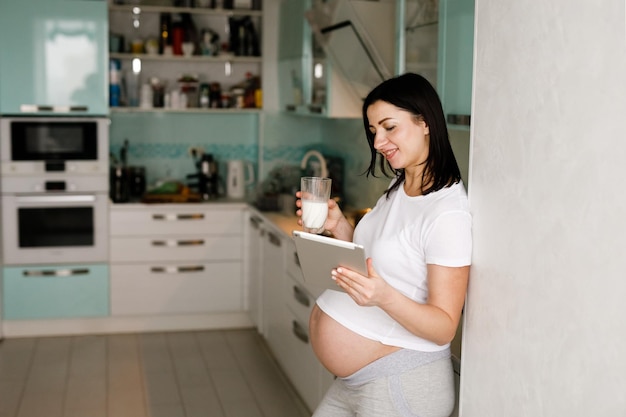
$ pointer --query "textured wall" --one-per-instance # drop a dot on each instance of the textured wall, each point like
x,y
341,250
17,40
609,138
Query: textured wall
x,y
545,333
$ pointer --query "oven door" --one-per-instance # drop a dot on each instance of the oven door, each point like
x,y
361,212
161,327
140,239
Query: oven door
x,y
34,145
54,228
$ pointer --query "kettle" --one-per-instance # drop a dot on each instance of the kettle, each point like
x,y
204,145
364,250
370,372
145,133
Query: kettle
x,y
240,175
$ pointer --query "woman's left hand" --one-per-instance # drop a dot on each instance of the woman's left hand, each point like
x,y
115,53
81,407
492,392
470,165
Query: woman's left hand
x,y
368,290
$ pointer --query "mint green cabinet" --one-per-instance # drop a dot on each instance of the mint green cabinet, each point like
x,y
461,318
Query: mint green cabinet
x,y
455,58
53,56
59,291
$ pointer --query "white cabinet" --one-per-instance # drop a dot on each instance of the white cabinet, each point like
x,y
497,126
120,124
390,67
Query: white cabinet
x,y
175,259
273,270
286,309
254,237
218,55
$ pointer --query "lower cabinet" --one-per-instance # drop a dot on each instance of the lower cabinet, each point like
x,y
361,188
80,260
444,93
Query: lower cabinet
x,y
59,291
175,288
287,306
176,259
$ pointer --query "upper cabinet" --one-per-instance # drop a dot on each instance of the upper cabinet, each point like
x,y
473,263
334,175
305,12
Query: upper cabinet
x,y
421,32
456,57
174,55
332,53
53,57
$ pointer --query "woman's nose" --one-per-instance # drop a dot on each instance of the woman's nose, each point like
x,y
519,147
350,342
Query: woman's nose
x,y
379,140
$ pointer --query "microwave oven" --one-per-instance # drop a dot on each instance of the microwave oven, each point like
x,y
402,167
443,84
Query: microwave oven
x,y
63,145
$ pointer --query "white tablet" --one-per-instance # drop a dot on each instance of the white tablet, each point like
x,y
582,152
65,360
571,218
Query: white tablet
x,y
319,255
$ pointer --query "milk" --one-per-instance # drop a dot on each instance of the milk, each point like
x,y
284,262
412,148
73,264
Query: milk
x,y
314,213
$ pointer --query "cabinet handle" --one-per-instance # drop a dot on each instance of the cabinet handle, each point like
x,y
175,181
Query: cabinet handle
x,y
301,296
172,243
296,260
56,272
274,240
35,108
299,331
174,217
255,222
459,119
176,269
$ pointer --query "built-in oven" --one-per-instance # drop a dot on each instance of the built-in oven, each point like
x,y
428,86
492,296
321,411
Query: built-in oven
x,y
55,228
54,188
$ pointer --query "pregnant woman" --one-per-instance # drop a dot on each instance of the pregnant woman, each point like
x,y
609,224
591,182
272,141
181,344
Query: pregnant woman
x,y
386,336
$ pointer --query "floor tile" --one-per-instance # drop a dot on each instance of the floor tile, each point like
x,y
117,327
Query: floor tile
x,y
217,373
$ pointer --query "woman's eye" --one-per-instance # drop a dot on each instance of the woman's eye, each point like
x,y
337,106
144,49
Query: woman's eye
x,y
389,128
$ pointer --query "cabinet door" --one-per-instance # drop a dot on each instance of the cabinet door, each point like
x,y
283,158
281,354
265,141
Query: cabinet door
x,y
53,57
253,264
45,292
273,274
456,57
175,288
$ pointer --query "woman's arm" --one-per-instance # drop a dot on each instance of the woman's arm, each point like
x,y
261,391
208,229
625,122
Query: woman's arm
x,y
436,320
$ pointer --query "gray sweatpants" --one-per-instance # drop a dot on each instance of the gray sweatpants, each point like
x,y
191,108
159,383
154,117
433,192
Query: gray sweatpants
x,y
406,383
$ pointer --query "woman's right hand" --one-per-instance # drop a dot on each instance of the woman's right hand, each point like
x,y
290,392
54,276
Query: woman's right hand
x,y
336,223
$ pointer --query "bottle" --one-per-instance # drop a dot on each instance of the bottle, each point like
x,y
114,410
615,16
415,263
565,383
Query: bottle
x,y
115,90
165,35
204,96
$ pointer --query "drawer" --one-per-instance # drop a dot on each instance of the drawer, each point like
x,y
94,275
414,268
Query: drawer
x,y
298,300
292,262
45,292
167,288
176,248
298,360
186,220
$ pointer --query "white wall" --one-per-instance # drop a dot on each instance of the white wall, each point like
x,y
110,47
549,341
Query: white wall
x,y
545,330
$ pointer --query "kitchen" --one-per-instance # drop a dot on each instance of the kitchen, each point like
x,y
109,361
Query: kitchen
x,y
165,143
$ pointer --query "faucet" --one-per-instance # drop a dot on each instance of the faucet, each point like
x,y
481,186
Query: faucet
x,y
322,164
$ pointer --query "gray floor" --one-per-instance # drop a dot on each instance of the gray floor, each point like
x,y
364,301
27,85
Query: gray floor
x,y
184,374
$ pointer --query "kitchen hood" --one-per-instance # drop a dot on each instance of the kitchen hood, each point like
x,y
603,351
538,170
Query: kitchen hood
x,y
357,37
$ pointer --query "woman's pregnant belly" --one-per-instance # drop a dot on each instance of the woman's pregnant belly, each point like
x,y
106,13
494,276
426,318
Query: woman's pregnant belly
x,y
339,349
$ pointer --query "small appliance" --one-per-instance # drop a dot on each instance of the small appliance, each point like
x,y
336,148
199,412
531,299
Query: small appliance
x,y
240,175
206,179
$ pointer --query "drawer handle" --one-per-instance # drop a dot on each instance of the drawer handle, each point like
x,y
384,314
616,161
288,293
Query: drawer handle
x,y
56,272
296,260
274,240
35,108
175,217
299,331
171,243
301,296
176,269
255,222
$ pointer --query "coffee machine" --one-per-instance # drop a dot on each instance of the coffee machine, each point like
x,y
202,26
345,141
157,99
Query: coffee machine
x,y
205,180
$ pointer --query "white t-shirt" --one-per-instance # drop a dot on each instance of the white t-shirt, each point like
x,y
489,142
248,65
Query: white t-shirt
x,y
402,235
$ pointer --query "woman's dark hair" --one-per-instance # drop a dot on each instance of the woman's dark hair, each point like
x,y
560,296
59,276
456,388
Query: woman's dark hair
x,y
413,93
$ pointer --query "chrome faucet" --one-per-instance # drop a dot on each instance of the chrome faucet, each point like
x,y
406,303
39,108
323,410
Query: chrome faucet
x,y
323,169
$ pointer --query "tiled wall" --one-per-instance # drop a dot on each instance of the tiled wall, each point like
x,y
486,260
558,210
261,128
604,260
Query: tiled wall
x,y
161,142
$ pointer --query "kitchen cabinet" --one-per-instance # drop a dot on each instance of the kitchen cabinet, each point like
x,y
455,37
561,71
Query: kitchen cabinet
x,y
255,232
53,57
287,305
272,266
456,58
335,68
310,85
53,292
217,56
176,259
421,33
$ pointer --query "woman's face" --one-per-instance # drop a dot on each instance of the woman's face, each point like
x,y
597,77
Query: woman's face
x,y
398,135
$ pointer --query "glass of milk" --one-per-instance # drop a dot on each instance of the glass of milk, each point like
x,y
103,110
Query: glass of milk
x,y
315,192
